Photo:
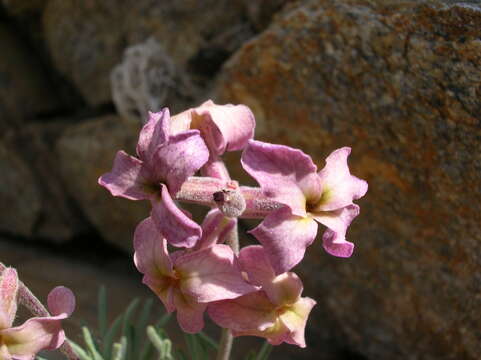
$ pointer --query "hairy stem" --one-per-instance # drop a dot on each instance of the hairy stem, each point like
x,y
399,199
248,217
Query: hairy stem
x,y
34,305
227,339
239,201
230,202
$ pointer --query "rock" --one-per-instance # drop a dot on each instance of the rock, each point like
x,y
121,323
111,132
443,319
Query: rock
x,y
147,80
399,81
86,39
261,12
39,209
86,151
22,82
23,7
18,190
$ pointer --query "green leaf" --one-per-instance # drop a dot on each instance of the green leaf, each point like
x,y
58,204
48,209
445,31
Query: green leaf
x,y
102,311
119,350
196,350
163,320
108,339
128,314
130,340
90,344
141,325
208,340
264,352
79,351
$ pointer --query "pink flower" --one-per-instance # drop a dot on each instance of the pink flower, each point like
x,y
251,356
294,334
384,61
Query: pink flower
x,y
164,163
187,281
276,312
223,127
290,177
38,333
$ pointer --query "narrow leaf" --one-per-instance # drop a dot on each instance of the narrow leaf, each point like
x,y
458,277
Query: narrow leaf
x,y
102,311
208,340
90,344
264,352
79,351
110,335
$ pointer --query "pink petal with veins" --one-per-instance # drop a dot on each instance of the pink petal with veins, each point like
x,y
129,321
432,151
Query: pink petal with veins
x,y
61,301
8,297
178,158
172,223
334,238
252,312
211,274
285,174
151,256
285,238
154,133
339,187
255,262
229,126
128,178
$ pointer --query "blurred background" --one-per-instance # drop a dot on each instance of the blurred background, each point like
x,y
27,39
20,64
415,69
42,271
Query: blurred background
x,y
397,80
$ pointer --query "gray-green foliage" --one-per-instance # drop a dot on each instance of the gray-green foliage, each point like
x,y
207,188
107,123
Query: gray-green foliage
x,y
131,337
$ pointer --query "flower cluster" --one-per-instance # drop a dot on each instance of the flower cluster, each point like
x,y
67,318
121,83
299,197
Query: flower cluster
x,y
38,333
188,266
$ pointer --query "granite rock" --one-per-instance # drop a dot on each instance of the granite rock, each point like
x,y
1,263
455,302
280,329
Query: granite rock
x,y
86,39
23,7
18,190
38,208
22,82
399,82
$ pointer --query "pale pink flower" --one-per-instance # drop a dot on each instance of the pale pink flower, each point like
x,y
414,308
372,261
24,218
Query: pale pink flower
x,y
290,177
224,127
187,281
25,341
164,163
276,312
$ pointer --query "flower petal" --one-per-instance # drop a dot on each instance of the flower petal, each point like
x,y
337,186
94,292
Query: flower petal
x,y
215,228
334,238
154,133
284,173
127,179
151,256
339,187
35,334
285,238
295,320
162,287
8,297
211,274
234,124
284,289
180,157
172,223
254,261
180,122
336,244
190,314
4,353
61,301
252,312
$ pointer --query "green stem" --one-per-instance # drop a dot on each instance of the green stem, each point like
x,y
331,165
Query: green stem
x,y
227,339
225,345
